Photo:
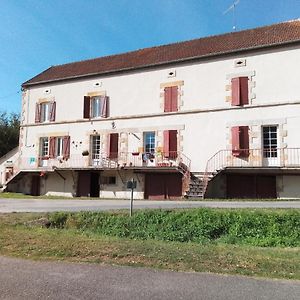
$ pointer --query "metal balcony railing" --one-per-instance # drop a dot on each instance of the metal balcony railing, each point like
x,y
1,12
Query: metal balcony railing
x,y
251,158
104,161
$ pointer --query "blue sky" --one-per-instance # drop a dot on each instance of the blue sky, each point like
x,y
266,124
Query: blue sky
x,y
36,34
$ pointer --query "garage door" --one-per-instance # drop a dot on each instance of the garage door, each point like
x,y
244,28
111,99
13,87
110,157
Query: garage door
x,y
163,186
251,186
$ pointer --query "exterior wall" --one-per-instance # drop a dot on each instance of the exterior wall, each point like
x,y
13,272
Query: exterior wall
x,y
203,122
7,164
289,187
54,185
120,190
204,105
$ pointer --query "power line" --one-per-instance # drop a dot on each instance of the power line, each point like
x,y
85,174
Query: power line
x,y
10,95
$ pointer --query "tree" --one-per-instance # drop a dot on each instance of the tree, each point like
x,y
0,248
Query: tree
x,y
9,132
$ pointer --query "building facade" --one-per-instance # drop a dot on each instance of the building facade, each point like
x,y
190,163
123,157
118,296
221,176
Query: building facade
x,y
214,117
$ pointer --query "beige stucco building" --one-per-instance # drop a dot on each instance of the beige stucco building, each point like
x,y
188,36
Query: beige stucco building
x,y
217,116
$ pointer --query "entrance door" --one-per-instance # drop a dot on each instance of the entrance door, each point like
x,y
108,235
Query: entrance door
x,y
94,185
270,146
83,184
35,185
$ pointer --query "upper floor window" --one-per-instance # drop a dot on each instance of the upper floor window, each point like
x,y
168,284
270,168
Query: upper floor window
x,y
95,107
45,112
239,91
149,142
171,99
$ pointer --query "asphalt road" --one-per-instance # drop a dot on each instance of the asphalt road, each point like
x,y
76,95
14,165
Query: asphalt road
x,y
25,279
45,205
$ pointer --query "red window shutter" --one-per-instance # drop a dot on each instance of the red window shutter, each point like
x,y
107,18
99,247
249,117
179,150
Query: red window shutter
x,y
244,92
104,107
173,143
86,107
168,99
113,145
235,91
37,113
108,146
240,141
66,147
52,146
244,141
174,98
166,143
52,111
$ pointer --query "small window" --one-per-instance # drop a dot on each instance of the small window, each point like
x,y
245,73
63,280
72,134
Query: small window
x,y
108,180
149,142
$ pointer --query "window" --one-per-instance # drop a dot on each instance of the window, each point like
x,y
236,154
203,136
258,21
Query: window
x,y
170,143
239,91
95,107
44,147
240,141
171,99
270,141
59,147
149,142
45,112
108,180
96,146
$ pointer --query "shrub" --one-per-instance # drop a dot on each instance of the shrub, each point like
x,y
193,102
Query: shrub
x,y
252,227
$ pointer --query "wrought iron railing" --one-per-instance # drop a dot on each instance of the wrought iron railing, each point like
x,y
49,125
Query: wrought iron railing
x,y
111,161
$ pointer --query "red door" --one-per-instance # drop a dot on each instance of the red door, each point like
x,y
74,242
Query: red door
x,y
163,186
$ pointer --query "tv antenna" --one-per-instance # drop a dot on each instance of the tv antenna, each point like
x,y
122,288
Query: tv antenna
x,y
232,7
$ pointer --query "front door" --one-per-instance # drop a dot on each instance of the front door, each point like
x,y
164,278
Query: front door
x,y
270,146
35,185
94,185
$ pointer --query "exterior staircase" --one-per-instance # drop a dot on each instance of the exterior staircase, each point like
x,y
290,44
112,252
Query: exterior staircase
x,y
197,185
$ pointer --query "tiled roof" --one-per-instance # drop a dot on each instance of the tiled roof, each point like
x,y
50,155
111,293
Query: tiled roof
x,y
278,34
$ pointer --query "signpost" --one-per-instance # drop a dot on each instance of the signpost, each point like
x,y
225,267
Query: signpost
x,y
131,185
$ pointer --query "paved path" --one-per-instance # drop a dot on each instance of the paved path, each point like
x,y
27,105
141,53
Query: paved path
x,y
24,279
45,205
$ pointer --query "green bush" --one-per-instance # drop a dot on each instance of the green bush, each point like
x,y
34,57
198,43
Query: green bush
x,y
251,227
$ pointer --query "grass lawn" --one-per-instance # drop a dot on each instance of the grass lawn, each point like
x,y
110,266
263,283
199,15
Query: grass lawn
x,y
19,237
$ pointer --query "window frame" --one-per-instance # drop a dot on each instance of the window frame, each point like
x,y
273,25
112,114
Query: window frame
x,y
44,144
149,140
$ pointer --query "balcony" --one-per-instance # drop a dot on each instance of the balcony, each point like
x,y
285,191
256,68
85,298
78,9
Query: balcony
x,y
123,160
271,159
